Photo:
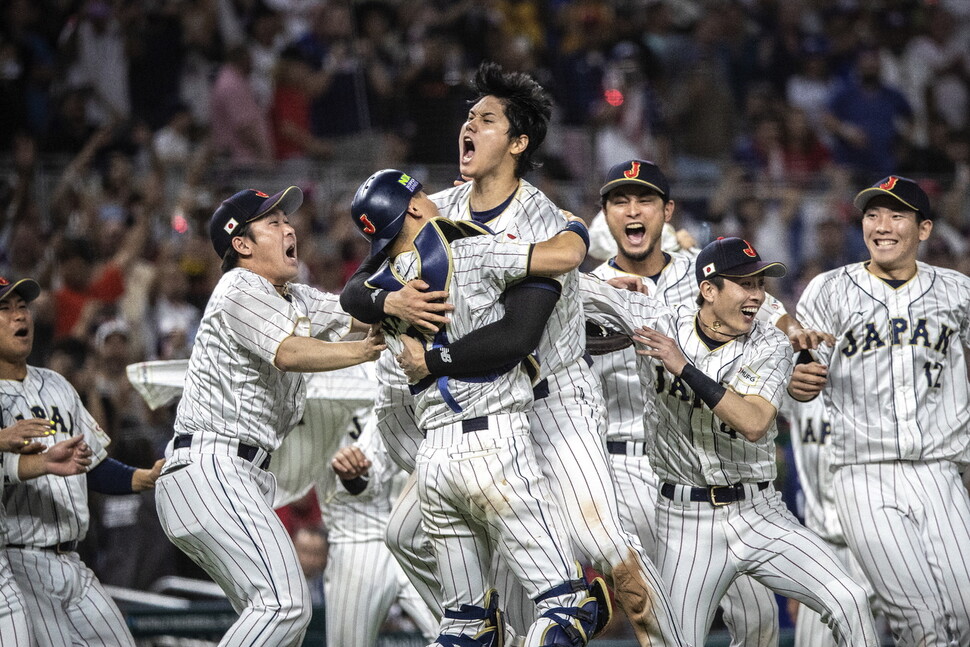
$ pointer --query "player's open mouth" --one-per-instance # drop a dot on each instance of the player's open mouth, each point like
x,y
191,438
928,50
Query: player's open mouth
x,y
749,311
291,251
635,233
467,150
884,243
21,332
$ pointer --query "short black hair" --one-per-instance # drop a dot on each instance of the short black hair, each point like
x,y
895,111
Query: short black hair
x,y
528,107
231,258
718,282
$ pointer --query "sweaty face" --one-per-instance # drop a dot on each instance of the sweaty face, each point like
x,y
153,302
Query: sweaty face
x,y
16,329
736,304
892,235
273,248
484,146
636,217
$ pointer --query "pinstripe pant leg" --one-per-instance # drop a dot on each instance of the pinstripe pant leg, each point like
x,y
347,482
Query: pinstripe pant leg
x,y
572,454
410,545
218,510
359,592
15,630
767,542
908,525
46,585
95,618
412,603
750,613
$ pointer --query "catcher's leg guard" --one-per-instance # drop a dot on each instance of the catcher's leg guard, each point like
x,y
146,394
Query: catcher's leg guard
x,y
575,626
491,635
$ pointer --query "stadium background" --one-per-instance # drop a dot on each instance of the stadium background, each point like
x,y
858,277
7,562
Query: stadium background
x,y
125,122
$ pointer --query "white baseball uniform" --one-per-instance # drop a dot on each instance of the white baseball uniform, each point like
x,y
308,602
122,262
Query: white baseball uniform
x,y
565,423
750,609
898,394
478,480
47,516
811,431
214,498
363,580
693,451
15,629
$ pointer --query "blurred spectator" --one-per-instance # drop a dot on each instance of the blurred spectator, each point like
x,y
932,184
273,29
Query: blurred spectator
x,y
70,129
312,549
302,513
172,143
265,43
122,406
240,127
173,321
98,39
810,88
156,53
296,85
864,116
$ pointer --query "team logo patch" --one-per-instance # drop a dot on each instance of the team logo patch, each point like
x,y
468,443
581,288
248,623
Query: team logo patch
x,y
708,269
633,172
369,227
746,375
409,182
3,282
231,225
890,183
749,250
260,193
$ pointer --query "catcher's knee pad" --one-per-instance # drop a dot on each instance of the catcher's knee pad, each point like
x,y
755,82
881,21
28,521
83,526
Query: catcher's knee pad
x,y
575,626
491,635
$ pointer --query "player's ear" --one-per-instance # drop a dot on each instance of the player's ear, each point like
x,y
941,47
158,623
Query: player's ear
x,y
519,144
925,228
242,245
669,210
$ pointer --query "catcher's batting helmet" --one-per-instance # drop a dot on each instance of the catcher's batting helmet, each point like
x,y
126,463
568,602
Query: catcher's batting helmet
x,y
379,206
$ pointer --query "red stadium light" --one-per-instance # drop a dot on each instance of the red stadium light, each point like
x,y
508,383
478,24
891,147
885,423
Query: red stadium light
x,y
613,97
180,224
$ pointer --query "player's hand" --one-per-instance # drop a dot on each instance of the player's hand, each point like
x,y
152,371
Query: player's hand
x,y
807,381
144,479
685,239
659,346
806,338
463,179
68,457
373,344
426,310
631,283
411,359
18,437
349,463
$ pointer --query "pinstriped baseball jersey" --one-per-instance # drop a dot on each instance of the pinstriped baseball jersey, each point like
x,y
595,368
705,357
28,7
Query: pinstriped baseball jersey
x,y
897,387
50,509
532,217
232,387
482,268
623,395
692,446
811,433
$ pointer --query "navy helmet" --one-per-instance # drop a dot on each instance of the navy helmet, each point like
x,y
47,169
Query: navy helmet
x,y
380,204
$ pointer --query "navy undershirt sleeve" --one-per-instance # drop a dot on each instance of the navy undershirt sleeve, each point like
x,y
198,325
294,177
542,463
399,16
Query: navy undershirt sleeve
x,y
359,301
111,477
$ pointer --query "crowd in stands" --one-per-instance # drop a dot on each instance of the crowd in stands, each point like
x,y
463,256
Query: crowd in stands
x,y
125,122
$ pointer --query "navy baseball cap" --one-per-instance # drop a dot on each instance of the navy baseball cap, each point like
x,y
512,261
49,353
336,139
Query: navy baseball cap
x,y
903,189
639,172
733,258
247,206
29,289
379,206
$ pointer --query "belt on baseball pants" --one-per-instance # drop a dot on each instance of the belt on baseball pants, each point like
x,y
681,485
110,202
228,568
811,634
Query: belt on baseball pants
x,y
626,447
60,549
244,451
716,495
474,424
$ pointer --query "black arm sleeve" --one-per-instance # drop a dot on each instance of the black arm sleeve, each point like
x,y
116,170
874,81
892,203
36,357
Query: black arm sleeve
x,y
359,301
511,338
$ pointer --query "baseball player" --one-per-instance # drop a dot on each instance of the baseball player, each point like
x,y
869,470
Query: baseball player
x,y
477,478
637,209
244,391
47,516
718,375
497,142
897,397
363,579
811,431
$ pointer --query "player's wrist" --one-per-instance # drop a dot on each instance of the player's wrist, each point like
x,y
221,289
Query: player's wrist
x,y
709,391
579,228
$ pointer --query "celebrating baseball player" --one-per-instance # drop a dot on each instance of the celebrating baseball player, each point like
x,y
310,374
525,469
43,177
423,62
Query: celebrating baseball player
x,y
244,391
47,516
897,397
477,450
718,375
363,579
497,143
637,207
